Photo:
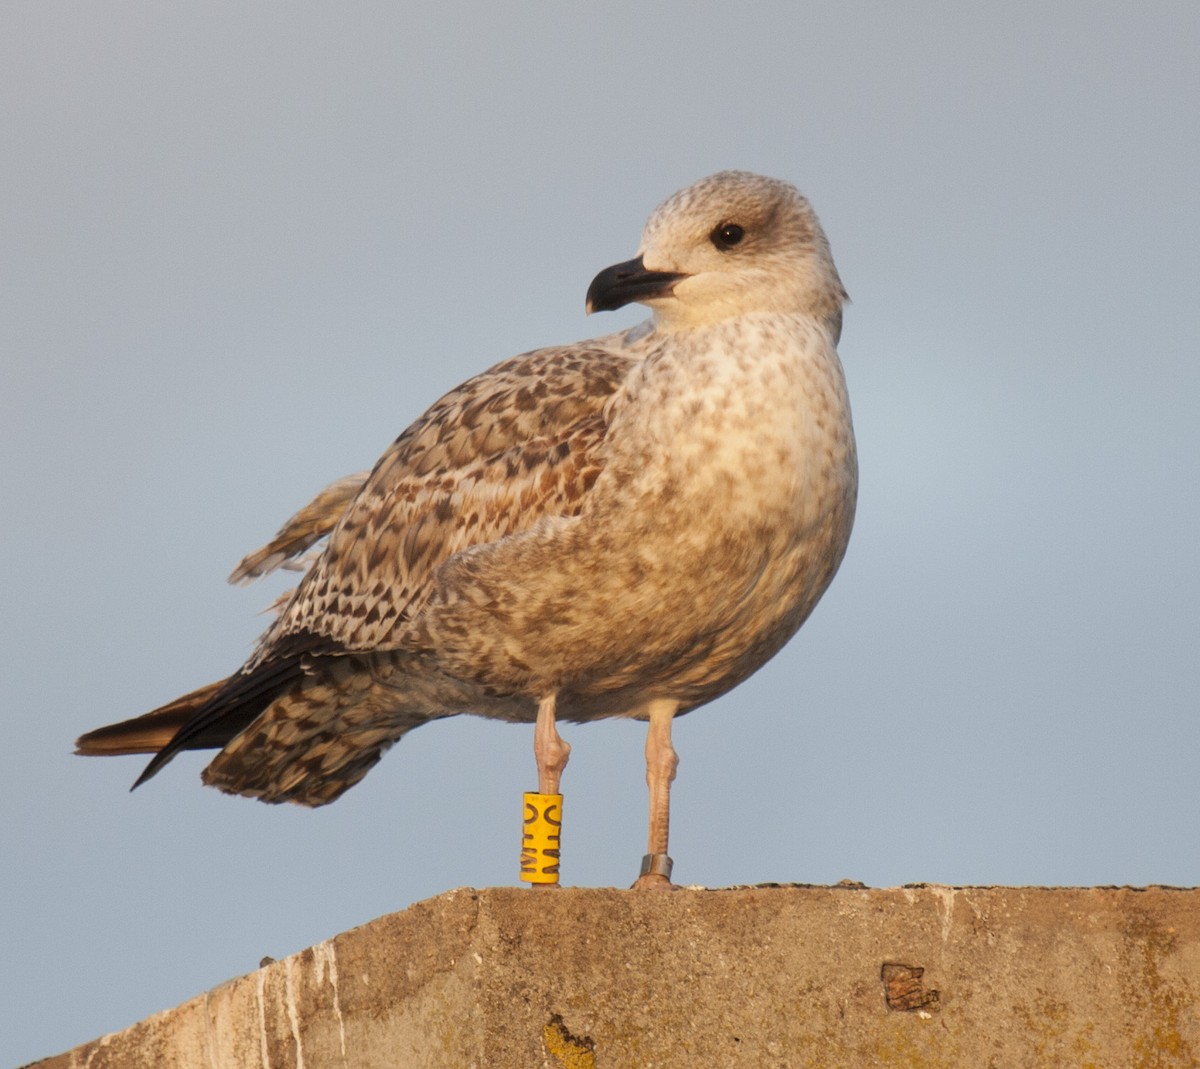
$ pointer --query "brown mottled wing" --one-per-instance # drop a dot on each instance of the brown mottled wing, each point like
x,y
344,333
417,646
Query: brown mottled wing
x,y
303,530
490,459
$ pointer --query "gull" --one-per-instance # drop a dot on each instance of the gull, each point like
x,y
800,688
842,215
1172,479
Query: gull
x,y
624,527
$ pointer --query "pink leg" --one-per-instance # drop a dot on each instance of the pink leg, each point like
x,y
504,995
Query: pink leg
x,y
550,749
661,763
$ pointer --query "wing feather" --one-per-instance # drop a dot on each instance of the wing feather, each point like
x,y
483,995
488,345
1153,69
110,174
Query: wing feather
x,y
302,531
516,444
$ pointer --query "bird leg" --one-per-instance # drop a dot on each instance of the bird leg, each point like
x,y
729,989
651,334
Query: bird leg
x,y
661,763
550,749
541,837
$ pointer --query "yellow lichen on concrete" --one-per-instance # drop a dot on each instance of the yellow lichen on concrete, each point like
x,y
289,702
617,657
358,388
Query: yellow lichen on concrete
x,y
1159,1043
570,1052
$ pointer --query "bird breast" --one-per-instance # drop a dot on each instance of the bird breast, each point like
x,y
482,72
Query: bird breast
x,y
746,423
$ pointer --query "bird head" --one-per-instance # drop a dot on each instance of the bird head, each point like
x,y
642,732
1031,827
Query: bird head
x,y
731,244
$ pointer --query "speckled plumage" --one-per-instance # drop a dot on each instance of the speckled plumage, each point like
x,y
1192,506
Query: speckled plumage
x,y
632,523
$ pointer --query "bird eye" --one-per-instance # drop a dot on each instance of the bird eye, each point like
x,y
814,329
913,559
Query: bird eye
x,y
726,236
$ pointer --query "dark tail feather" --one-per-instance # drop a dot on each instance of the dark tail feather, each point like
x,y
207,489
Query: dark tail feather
x,y
205,719
151,731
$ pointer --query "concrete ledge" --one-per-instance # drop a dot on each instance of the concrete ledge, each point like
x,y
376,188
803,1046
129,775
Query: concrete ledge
x,y
757,976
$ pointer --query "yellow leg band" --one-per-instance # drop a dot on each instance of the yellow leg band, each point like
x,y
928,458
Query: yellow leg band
x,y
540,838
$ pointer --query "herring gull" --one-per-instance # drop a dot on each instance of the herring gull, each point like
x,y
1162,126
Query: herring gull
x,y
627,526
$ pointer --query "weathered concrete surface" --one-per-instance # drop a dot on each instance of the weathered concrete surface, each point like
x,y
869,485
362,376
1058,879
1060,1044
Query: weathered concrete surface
x,y
763,976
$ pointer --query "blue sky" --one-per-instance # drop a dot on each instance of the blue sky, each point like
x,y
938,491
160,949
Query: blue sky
x,y
245,246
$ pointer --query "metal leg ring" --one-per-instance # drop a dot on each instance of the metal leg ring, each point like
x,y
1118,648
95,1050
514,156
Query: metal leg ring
x,y
657,865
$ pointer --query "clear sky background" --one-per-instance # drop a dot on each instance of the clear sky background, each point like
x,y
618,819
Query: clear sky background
x,y
244,245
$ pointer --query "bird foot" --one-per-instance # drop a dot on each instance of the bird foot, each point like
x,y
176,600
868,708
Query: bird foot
x,y
654,882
